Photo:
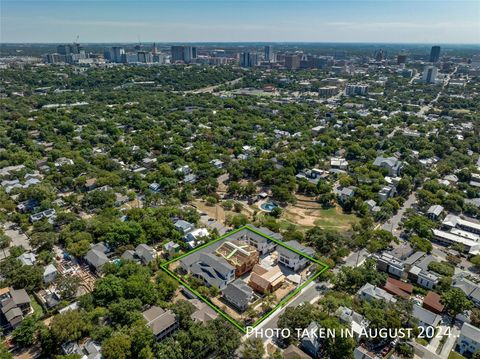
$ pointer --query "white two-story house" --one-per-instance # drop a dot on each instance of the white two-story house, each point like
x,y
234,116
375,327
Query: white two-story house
x,y
294,260
469,340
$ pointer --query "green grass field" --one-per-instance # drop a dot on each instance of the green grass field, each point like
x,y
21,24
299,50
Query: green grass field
x,y
330,218
455,355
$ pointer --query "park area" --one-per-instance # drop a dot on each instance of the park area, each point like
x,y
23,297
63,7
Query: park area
x,y
308,213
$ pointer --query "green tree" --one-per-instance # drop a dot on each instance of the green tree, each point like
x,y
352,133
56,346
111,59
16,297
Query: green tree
x,y
456,302
276,212
183,310
43,241
108,289
350,279
420,244
166,286
253,349
404,350
443,268
4,353
146,353
277,354
125,311
375,240
475,317
196,341
143,340
24,334
476,261
169,349
337,347
420,226
67,286
5,242
117,346
238,220
297,317
226,338
124,233
139,286
282,194
68,326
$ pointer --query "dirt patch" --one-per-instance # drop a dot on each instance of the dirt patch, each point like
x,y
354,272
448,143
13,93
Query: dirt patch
x,y
231,312
216,211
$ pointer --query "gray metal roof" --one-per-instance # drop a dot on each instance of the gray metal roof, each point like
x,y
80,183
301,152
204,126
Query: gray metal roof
x,y
386,161
376,292
49,270
425,315
435,210
145,252
129,255
471,332
471,289
96,258
183,225
414,258
295,245
311,339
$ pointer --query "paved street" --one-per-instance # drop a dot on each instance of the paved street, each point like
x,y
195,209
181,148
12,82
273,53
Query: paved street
x,y
450,343
446,80
392,225
18,239
210,89
309,294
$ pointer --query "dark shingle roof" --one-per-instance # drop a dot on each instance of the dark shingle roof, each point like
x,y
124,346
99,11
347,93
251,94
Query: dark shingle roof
x,y
20,296
96,258
238,293
214,270
158,319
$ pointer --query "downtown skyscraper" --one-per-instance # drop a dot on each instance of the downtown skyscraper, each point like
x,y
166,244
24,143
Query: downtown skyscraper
x,y
268,54
435,54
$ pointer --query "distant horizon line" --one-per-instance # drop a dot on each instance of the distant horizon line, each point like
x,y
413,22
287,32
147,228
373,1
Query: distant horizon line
x,y
239,42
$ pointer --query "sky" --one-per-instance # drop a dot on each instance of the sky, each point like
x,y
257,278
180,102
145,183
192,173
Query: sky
x,y
384,21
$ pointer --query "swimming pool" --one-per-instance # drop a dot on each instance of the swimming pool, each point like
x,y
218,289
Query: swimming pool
x,y
268,206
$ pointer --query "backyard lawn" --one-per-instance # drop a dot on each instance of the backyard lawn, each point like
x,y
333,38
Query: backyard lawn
x,y
37,308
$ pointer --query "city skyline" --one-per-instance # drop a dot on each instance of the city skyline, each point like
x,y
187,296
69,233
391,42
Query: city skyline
x,y
425,22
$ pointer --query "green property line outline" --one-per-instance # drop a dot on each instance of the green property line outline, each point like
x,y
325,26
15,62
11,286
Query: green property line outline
x,y
205,300
285,300
282,303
